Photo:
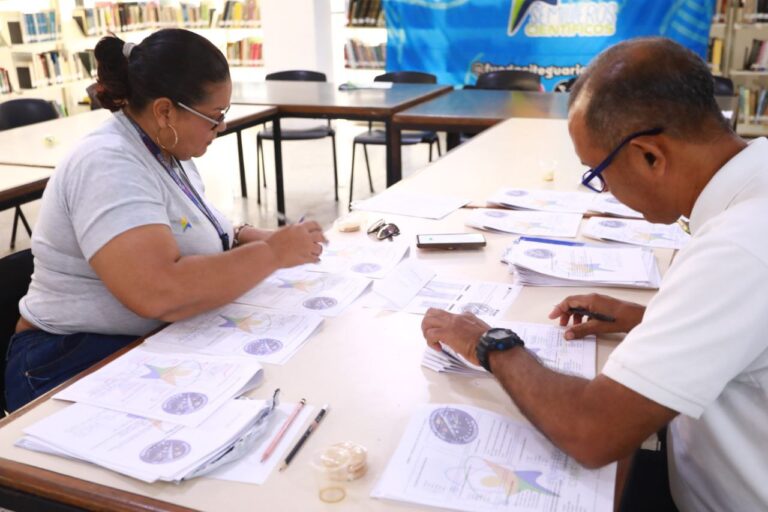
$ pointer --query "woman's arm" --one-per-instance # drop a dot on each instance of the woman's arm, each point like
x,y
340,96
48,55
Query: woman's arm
x,y
144,270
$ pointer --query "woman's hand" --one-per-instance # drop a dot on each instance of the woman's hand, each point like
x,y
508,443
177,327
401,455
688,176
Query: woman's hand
x,y
297,244
627,315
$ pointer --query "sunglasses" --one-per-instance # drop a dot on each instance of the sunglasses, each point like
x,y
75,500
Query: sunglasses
x,y
215,122
384,230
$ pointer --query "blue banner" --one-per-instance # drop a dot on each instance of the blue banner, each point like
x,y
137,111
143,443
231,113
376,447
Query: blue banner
x,y
459,39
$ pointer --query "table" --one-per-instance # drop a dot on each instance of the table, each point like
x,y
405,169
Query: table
x,y
45,144
19,185
325,100
365,364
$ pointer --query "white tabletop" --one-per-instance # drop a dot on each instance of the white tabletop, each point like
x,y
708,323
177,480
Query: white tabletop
x,y
366,363
12,176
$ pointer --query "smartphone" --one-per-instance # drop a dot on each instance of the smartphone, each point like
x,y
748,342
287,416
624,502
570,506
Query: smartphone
x,y
450,241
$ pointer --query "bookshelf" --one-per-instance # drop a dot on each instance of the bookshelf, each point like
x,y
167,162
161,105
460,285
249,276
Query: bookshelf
x,y
739,50
60,66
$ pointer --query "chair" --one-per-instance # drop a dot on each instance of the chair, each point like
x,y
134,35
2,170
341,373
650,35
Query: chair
x,y
21,112
723,86
315,132
509,80
378,137
15,273
565,85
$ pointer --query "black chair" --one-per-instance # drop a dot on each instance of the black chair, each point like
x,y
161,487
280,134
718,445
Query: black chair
x,y
378,137
565,85
21,112
723,86
509,80
315,132
15,273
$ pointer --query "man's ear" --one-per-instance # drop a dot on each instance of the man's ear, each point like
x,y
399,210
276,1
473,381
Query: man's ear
x,y
649,152
163,110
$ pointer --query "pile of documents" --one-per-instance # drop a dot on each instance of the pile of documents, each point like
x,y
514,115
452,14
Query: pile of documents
x,y
526,222
546,342
466,458
157,415
542,200
637,232
542,262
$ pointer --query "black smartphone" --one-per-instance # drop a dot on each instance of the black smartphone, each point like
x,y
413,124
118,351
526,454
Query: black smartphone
x,y
450,241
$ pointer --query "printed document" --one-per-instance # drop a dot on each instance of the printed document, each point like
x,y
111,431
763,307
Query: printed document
x,y
526,222
484,299
637,232
411,205
309,292
183,388
265,335
369,258
545,341
607,204
466,458
542,200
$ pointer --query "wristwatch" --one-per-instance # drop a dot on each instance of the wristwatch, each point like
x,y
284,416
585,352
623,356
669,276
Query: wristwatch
x,y
496,339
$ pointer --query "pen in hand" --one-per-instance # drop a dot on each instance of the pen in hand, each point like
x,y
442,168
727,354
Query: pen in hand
x,y
597,316
311,428
281,433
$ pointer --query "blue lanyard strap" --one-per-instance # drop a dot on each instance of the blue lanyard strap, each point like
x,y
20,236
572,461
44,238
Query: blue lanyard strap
x,y
182,180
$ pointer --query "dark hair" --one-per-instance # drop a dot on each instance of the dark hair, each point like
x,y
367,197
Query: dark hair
x,y
172,63
646,83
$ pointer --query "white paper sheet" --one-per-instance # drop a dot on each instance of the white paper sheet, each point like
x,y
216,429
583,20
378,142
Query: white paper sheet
x,y
542,200
526,222
300,290
399,288
182,388
465,458
142,448
250,469
637,232
607,204
484,299
369,258
265,335
411,205
545,341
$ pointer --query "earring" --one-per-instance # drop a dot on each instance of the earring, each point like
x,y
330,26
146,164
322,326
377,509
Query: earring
x,y
175,138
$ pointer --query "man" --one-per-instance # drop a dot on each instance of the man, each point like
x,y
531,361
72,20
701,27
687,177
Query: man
x,y
643,116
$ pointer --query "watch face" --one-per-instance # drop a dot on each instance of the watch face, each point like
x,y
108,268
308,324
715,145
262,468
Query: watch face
x,y
498,333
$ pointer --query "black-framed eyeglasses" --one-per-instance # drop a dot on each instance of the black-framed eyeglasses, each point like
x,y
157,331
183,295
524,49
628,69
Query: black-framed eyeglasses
x,y
596,173
215,122
384,230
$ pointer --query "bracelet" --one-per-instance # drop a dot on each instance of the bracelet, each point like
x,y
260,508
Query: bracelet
x,y
238,229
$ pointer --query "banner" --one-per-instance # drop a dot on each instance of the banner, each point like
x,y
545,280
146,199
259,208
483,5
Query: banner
x,y
459,39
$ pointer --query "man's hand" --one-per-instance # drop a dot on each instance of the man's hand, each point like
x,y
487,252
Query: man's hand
x,y
627,315
460,332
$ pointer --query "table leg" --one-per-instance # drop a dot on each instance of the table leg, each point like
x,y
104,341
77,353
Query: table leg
x,y
279,172
394,160
243,185
452,139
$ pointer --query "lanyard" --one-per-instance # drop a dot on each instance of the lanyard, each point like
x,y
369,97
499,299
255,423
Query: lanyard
x,y
182,180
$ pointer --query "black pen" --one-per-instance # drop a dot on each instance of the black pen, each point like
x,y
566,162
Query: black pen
x,y
592,314
311,428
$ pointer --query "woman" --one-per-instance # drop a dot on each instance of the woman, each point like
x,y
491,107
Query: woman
x,y
125,240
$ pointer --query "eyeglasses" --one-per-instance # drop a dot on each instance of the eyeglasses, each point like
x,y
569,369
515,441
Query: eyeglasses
x,y
596,173
383,230
215,122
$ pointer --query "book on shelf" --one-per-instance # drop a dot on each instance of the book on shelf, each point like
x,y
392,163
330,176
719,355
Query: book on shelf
x,y
757,57
32,27
5,82
50,68
365,13
721,8
753,105
105,17
246,52
237,14
359,55
715,54
755,11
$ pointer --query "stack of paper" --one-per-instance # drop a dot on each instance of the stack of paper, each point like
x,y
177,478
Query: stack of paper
x,y
526,222
297,289
607,204
412,205
466,458
266,335
637,232
576,357
542,200
542,262
142,448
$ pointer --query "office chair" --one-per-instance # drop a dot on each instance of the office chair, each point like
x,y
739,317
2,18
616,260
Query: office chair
x,y
723,86
15,273
378,137
565,85
315,132
21,112
509,80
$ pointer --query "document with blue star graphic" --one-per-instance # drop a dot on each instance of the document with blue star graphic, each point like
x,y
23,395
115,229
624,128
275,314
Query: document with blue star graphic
x,y
265,335
637,232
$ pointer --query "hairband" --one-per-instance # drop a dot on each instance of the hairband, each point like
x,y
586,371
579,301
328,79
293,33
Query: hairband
x,y
127,49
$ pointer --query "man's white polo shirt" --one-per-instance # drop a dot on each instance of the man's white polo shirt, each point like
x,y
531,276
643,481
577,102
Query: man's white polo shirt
x,y
702,348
